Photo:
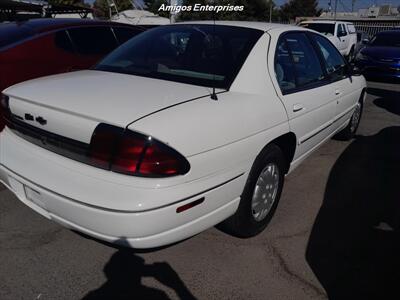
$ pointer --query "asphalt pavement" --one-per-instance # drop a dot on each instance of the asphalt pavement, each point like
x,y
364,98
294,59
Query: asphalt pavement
x,y
334,235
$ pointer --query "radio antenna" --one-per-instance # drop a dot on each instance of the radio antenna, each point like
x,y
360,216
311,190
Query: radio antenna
x,y
214,95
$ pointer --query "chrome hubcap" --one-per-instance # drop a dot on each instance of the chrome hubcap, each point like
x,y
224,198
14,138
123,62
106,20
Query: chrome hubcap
x,y
265,192
356,117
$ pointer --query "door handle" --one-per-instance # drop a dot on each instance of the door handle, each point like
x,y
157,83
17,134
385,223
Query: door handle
x,y
297,107
338,92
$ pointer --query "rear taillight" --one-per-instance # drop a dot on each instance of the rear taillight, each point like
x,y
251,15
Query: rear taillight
x,y
104,140
132,153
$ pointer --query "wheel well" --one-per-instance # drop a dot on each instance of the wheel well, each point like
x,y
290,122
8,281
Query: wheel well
x,y
287,143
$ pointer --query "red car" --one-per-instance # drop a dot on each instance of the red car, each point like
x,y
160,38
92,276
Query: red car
x,y
42,47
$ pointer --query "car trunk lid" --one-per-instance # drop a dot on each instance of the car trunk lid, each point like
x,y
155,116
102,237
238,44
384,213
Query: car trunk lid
x,y
73,104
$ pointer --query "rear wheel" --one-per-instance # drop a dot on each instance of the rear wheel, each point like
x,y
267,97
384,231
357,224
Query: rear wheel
x,y
261,194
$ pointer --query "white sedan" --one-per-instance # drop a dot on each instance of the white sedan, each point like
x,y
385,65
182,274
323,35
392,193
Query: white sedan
x,y
179,129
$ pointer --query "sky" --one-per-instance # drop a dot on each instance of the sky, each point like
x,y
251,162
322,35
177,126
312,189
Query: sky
x,y
343,5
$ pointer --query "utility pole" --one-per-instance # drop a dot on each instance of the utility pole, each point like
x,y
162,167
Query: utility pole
x,y
352,5
270,11
335,10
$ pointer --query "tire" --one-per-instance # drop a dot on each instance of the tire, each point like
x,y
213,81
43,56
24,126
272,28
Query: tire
x,y
249,220
350,130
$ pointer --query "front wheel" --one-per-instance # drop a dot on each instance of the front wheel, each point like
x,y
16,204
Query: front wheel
x,y
350,130
261,194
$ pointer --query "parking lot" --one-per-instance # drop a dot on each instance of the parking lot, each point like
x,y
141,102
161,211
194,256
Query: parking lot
x,y
335,234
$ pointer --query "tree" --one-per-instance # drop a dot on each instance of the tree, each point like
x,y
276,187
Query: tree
x,y
102,8
299,8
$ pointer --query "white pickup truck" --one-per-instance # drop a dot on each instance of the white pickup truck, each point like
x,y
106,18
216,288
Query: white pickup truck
x,y
342,34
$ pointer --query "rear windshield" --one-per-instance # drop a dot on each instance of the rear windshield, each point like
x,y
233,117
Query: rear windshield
x,y
324,28
11,33
204,55
386,40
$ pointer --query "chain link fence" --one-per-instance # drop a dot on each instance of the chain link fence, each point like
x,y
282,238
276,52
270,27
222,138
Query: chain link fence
x,y
372,28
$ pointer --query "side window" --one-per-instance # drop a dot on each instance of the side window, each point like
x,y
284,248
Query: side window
x,y
334,61
341,30
344,29
284,69
93,40
63,42
307,66
124,34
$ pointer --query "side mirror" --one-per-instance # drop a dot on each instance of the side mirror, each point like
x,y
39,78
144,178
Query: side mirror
x,y
354,70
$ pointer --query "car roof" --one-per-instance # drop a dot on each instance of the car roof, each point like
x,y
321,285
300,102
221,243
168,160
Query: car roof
x,y
47,24
246,24
392,31
15,32
326,21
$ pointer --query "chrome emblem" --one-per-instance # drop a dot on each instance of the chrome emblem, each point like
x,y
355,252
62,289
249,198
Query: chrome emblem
x,y
39,119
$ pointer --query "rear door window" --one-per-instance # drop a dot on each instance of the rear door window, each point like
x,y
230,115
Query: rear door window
x,y
284,69
93,40
306,63
297,65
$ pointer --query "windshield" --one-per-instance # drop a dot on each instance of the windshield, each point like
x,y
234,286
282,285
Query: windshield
x,y
386,40
324,28
204,55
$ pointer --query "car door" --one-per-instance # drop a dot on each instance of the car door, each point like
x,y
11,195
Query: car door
x,y
305,90
337,69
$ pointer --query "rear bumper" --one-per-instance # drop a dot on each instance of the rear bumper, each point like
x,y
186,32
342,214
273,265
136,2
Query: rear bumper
x,y
140,228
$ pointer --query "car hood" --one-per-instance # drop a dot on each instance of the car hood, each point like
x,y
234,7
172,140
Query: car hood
x,y
382,52
113,98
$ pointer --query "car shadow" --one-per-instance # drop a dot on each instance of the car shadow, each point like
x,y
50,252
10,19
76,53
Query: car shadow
x,y
124,272
123,244
390,104
388,100
354,244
